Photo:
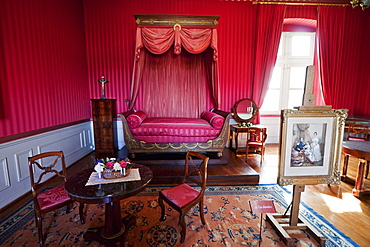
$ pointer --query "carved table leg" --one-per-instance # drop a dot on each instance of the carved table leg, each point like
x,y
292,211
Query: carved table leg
x,y
115,228
359,179
231,137
345,165
236,142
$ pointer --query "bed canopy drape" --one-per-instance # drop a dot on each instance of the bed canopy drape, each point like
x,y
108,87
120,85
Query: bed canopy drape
x,y
160,35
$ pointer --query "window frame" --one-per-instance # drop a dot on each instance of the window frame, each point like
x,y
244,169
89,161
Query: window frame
x,y
285,60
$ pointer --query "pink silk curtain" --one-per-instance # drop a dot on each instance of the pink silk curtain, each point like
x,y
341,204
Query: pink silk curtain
x,y
157,77
269,28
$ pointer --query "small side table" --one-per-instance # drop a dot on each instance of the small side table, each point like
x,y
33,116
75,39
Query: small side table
x,y
236,129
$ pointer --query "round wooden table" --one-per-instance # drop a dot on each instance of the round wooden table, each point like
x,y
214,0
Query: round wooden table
x,y
115,228
360,150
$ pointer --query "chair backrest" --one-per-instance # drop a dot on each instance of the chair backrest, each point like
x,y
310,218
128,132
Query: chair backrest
x,y
358,132
255,134
46,163
196,165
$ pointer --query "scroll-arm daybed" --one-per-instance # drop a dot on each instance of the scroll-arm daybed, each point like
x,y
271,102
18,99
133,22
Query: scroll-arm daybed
x,y
143,134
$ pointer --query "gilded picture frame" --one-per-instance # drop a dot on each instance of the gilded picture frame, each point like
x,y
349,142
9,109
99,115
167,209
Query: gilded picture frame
x,y
310,146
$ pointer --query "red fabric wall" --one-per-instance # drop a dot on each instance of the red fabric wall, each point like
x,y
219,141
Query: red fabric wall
x,y
52,52
113,22
110,32
43,65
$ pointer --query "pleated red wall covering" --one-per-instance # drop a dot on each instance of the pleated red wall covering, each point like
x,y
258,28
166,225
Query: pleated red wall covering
x,y
44,71
52,52
111,32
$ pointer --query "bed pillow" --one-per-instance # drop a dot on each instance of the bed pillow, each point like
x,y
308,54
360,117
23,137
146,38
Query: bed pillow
x,y
135,119
214,119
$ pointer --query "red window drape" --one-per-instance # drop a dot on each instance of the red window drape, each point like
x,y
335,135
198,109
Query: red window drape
x,y
268,32
342,35
330,35
188,71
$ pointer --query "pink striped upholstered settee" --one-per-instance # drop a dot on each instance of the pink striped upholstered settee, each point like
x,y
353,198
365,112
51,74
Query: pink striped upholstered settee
x,y
143,134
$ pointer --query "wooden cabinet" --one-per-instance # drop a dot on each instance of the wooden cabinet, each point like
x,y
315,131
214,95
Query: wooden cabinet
x,y
102,112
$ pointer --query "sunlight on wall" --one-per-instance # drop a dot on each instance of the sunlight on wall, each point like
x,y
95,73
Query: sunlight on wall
x,y
348,203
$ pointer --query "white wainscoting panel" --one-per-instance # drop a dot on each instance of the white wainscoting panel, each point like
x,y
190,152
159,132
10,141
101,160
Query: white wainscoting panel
x,y
273,128
4,174
22,167
120,143
75,141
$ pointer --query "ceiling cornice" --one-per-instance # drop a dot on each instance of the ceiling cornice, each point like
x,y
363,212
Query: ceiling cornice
x,y
340,3
306,1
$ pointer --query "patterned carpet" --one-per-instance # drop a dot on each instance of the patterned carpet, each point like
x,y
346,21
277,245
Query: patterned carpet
x,y
229,222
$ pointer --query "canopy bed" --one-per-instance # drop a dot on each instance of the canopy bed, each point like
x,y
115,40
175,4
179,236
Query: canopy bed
x,y
174,83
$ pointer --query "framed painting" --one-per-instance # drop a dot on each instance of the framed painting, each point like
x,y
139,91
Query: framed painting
x,y
310,146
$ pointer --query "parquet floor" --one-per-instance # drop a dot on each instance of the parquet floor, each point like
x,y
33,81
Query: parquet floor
x,y
169,168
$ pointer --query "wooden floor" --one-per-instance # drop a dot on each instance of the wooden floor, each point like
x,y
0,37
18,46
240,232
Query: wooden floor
x,y
169,168
335,203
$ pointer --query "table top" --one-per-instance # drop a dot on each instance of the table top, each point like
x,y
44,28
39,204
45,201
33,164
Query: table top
x,y
359,149
105,193
363,146
241,128
357,119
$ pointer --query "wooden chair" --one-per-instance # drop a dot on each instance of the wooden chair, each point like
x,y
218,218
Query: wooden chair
x,y
256,138
52,198
183,197
357,132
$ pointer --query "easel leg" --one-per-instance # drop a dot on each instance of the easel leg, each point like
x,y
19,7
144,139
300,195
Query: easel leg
x,y
295,223
297,190
259,244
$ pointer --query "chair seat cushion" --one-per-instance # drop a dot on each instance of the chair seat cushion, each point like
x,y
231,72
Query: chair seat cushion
x,y
255,143
52,197
180,195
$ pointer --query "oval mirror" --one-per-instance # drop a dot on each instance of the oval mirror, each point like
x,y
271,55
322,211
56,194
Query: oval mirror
x,y
245,111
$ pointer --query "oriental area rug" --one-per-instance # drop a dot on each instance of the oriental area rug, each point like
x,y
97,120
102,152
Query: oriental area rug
x,y
229,222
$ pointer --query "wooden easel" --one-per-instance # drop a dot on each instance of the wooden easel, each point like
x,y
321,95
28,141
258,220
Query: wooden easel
x,y
280,222
282,226
308,103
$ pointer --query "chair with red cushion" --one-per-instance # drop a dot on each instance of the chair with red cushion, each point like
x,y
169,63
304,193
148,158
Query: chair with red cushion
x,y
40,166
256,138
183,197
357,132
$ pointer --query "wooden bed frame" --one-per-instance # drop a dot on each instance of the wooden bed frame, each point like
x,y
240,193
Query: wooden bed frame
x,y
135,146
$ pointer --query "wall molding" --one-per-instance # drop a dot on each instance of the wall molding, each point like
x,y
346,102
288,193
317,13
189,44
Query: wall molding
x,y
76,141
39,131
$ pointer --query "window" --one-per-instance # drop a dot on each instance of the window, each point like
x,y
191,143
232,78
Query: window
x,y
286,86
